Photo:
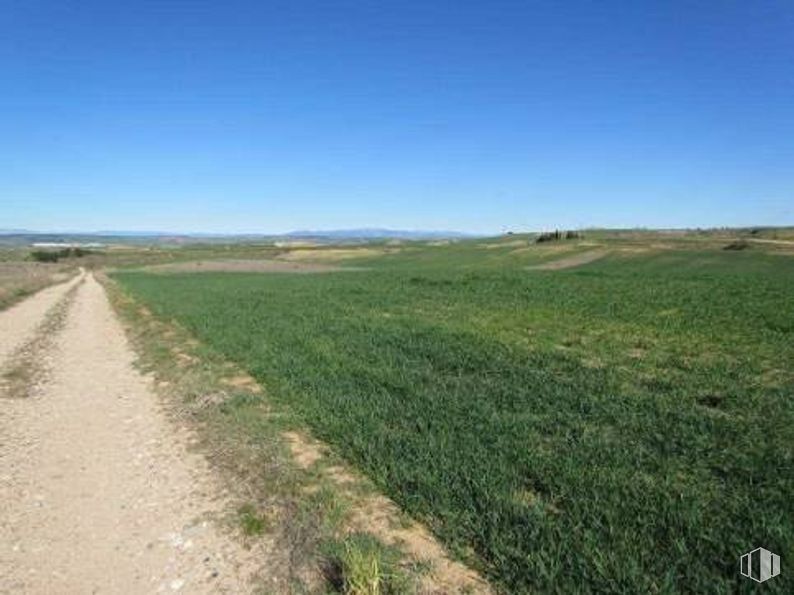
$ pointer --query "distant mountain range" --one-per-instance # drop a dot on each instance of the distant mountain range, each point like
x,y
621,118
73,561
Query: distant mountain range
x,y
24,236
377,234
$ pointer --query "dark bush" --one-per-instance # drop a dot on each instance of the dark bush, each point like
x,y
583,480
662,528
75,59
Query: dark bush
x,y
45,256
56,255
549,236
737,245
553,236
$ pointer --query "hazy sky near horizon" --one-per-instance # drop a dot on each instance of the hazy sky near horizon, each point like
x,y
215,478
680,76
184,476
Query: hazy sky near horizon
x,y
268,116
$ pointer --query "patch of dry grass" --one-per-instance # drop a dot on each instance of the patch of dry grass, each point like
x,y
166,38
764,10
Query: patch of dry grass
x,y
241,266
19,278
333,254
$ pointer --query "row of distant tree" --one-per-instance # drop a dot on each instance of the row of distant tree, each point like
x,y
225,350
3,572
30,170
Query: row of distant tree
x,y
56,255
553,236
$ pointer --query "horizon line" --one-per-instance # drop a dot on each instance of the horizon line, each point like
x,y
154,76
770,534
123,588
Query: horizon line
x,y
149,232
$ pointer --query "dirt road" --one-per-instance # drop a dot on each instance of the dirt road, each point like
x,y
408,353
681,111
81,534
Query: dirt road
x,y
98,492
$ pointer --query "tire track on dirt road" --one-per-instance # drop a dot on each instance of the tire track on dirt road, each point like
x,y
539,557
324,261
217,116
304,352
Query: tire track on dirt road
x,y
18,324
98,492
25,369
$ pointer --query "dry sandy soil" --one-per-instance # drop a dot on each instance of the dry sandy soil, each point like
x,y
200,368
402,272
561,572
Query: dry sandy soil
x,y
243,266
763,241
571,261
98,490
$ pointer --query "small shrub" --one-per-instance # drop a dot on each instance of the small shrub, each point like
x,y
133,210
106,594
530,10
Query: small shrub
x,y
737,245
549,236
713,401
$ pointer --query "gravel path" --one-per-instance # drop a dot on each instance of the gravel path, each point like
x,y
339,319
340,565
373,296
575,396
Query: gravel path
x,y
98,492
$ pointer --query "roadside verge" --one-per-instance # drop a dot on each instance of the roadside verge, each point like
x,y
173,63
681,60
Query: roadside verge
x,y
323,526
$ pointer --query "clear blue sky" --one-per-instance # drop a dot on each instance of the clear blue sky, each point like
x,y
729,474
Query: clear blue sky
x,y
482,116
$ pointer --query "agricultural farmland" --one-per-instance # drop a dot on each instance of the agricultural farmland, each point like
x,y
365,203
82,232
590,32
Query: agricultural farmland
x,y
584,428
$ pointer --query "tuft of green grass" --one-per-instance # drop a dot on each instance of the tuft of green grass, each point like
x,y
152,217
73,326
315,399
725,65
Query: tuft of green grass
x,y
251,522
359,564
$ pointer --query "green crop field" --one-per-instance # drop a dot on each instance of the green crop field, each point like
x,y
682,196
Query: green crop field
x,y
626,425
